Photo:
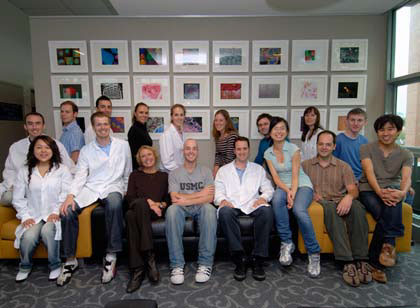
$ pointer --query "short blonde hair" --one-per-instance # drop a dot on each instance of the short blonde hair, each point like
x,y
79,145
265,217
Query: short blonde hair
x,y
147,147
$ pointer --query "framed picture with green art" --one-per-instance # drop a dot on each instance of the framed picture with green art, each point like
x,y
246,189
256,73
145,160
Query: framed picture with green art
x,y
309,55
349,55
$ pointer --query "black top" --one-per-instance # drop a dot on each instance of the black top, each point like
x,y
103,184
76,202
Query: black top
x,y
138,136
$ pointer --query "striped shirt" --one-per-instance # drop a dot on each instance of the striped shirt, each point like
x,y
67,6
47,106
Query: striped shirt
x,y
72,137
225,150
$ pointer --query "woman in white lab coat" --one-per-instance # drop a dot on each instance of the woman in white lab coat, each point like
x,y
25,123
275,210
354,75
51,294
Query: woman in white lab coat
x,y
40,188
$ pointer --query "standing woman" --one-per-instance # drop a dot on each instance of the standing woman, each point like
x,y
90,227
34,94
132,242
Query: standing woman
x,y
147,197
40,188
138,134
311,129
294,191
225,135
171,143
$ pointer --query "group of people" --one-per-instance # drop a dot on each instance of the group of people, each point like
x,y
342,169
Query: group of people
x,y
50,182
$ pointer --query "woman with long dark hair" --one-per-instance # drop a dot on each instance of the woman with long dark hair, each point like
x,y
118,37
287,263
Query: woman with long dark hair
x,y
311,129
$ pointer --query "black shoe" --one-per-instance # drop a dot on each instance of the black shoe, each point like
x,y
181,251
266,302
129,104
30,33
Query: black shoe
x,y
152,271
136,278
240,270
258,269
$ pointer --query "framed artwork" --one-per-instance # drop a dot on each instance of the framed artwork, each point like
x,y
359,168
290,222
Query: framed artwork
x,y
150,56
270,56
117,88
68,56
349,55
256,112
192,90
70,87
240,119
269,90
197,124
190,56
309,55
83,120
338,117
309,90
230,56
348,90
230,90
297,121
158,121
121,122
109,56
152,90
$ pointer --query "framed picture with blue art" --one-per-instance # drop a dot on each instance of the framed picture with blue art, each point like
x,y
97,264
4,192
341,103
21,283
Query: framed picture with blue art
x,y
349,55
240,120
192,90
150,56
230,56
121,122
158,121
197,124
68,56
109,56
117,88
270,56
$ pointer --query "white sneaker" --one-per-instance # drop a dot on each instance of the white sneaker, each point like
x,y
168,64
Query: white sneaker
x,y
22,276
177,275
54,273
109,270
203,273
66,271
286,251
314,266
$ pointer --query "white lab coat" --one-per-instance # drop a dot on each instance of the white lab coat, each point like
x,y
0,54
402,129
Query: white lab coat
x,y
242,195
309,149
171,146
41,198
98,175
90,133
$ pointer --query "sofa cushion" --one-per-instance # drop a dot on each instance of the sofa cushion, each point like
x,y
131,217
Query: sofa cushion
x,y
8,229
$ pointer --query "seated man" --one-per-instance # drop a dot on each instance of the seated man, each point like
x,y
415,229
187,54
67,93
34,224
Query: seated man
x,y
34,126
238,185
383,186
191,188
102,174
344,216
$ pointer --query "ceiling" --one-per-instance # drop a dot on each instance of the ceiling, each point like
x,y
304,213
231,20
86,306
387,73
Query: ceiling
x,y
203,7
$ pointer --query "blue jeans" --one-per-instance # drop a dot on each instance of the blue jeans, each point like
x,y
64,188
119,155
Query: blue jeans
x,y
30,240
303,200
175,216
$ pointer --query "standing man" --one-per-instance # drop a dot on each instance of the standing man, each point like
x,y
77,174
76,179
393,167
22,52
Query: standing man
x,y
102,174
72,137
263,125
103,104
238,186
344,216
192,189
16,159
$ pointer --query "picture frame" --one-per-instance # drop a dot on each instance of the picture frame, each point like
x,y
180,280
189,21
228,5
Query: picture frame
x,y
349,55
154,90
269,90
150,56
121,122
338,118
190,56
256,112
309,90
348,90
117,88
68,56
230,91
230,56
109,56
70,87
296,121
159,120
309,55
197,124
192,90
240,119
83,120
270,56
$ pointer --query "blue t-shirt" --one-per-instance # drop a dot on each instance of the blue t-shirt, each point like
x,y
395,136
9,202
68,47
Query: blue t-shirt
x,y
348,149
264,145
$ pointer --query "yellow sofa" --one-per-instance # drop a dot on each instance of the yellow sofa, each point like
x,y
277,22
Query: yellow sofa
x,y
316,212
9,222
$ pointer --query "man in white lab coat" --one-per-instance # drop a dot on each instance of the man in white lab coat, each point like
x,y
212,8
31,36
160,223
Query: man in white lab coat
x,y
103,104
102,173
242,188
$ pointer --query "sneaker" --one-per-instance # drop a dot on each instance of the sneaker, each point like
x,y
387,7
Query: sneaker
x,y
109,270
258,272
286,250
388,256
54,274
22,276
177,275
350,275
240,270
314,266
364,271
203,273
67,269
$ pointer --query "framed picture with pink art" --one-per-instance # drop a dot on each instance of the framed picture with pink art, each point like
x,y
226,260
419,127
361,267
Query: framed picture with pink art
x,y
230,91
297,121
309,55
338,119
197,124
121,122
150,56
152,90
308,90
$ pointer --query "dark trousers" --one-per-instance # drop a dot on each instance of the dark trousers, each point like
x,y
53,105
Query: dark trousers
x,y
263,223
388,223
113,223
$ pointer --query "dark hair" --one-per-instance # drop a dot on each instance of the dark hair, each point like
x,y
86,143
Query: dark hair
x,y
102,98
135,110
32,161
177,106
34,113
392,119
262,116
98,114
306,127
72,104
242,138
327,132
275,120
229,129
357,111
